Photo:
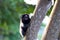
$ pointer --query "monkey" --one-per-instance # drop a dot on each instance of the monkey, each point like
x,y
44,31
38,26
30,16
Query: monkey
x,y
25,23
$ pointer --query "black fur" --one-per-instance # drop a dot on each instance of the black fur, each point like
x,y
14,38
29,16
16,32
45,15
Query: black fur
x,y
26,22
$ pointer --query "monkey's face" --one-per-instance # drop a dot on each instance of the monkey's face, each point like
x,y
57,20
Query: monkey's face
x,y
25,19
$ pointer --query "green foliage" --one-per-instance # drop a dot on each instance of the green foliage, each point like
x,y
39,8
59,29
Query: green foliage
x,y
24,8
49,11
10,11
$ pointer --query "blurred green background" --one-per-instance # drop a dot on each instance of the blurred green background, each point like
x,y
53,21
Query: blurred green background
x,y
10,12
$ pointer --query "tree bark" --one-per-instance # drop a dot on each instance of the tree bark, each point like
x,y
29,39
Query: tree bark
x,y
52,30
39,13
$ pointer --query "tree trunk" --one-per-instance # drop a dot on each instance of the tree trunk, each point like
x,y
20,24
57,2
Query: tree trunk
x,y
52,31
39,13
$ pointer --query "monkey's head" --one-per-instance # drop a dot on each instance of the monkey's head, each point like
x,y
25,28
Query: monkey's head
x,y
25,19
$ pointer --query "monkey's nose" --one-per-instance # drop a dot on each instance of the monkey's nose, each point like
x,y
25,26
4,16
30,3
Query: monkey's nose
x,y
26,18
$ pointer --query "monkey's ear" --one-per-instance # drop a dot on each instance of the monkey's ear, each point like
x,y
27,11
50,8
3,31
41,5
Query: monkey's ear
x,y
31,14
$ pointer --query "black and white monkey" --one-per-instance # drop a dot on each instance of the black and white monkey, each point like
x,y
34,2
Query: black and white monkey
x,y
25,23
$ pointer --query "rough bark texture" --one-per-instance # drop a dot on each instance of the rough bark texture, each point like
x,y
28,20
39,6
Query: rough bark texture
x,y
40,12
52,31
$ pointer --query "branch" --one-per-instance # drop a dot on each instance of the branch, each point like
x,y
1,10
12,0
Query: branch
x,y
39,13
53,28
